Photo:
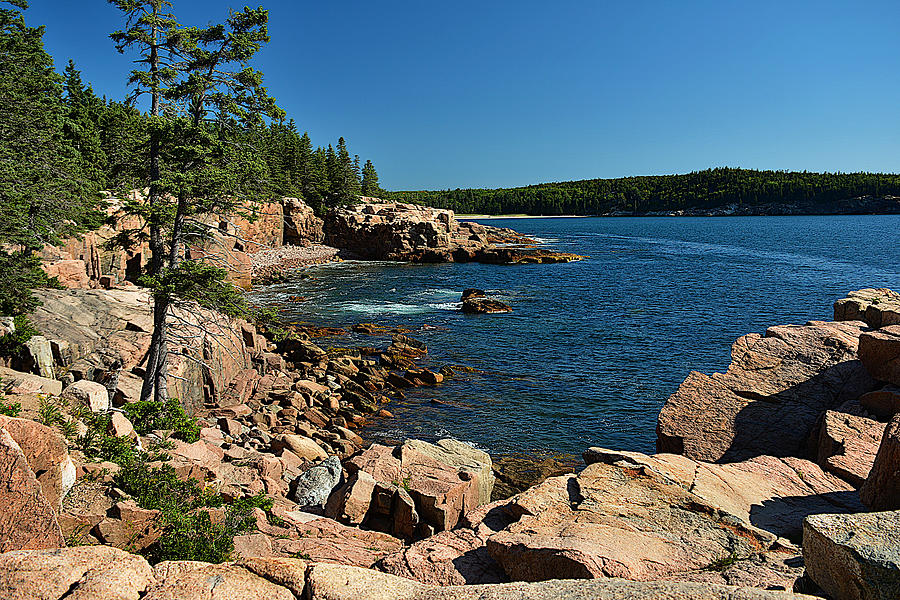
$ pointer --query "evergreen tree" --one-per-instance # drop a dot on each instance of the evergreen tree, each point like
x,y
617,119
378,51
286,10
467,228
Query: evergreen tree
x,y
44,193
205,148
344,179
332,174
85,111
370,185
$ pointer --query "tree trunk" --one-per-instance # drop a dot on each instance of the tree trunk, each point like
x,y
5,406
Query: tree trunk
x,y
157,246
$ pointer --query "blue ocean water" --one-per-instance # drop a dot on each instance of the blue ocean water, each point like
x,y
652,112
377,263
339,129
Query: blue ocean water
x,y
592,349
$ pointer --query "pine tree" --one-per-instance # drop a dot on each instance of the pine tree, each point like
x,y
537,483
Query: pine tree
x,y
155,33
206,150
44,193
344,179
370,185
82,130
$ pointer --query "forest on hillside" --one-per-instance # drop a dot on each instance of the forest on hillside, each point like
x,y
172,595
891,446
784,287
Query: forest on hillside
x,y
197,129
707,189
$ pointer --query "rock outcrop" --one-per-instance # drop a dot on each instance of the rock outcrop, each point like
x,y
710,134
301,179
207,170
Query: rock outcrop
x,y
337,582
876,307
376,230
301,225
101,573
104,335
854,557
771,396
27,518
881,491
639,517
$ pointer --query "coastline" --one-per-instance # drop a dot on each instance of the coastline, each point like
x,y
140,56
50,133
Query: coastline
x,y
518,216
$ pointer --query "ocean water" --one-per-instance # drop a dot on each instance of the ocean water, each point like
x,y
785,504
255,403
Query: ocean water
x,y
592,349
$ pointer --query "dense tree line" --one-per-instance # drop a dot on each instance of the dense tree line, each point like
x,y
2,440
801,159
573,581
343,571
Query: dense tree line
x,y
701,189
61,143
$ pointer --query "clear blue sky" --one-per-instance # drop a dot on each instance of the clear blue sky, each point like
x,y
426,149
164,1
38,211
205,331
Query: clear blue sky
x,y
492,94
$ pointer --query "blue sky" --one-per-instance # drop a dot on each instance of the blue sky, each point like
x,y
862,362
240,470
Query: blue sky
x,y
495,94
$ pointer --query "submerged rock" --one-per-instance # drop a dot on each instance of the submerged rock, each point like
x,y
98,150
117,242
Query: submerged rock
x,y
484,306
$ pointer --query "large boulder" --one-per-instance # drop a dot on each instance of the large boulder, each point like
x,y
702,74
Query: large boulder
x,y
883,403
313,487
445,481
847,445
88,394
27,518
350,503
881,491
768,401
189,580
876,307
17,383
40,355
325,540
854,557
879,351
340,582
304,447
80,573
462,456
47,455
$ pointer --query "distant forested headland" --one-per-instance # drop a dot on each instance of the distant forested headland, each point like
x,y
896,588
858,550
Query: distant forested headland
x,y
727,190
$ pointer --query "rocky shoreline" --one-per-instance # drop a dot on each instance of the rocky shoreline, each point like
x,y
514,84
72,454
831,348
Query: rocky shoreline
x,y
711,516
762,486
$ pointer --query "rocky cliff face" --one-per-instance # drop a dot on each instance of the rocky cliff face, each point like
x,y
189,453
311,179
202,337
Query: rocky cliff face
x,y
104,335
301,225
397,231
87,262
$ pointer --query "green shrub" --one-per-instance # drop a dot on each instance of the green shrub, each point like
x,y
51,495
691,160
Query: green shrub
x,y
9,409
188,531
52,412
159,488
11,343
20,273
149,415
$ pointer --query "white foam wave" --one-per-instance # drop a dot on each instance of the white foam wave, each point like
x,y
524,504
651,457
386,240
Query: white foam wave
x,y
383,308
446,305
438,292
